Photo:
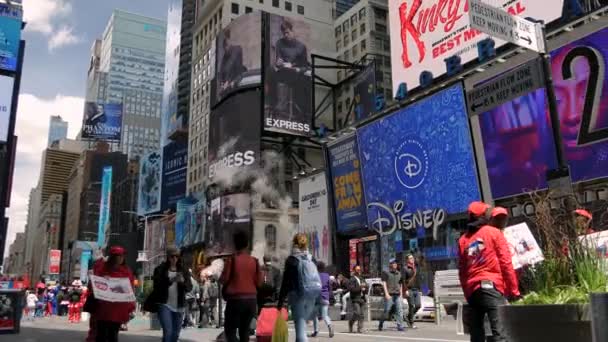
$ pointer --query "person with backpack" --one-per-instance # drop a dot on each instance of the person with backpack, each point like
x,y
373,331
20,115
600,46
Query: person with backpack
x,y
269,290
322,305
357,287
301,285
241,278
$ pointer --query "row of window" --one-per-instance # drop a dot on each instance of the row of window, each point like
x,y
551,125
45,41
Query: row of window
x,y
352,22
275,3
347,40
362,47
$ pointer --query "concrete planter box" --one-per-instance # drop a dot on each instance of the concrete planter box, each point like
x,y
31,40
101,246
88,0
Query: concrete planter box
x,y
555,323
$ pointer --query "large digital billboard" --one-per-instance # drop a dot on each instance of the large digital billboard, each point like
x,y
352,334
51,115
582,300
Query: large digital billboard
x,y
175,165
314,217
425,33
102,121
10,36
288,77
418,165
234,135
347,186
149,194
104,206
6,100
229,214
184,217
239,55
517,138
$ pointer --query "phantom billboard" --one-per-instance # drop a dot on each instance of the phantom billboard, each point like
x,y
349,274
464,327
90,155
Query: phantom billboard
x,y
102,121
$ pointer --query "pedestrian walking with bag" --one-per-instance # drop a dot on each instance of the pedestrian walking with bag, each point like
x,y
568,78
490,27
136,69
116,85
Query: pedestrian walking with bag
x,y
411,289
322,304
357,288
241,278
301,285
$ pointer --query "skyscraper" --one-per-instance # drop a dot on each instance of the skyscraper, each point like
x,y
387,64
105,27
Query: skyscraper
x,y
58,129
127,66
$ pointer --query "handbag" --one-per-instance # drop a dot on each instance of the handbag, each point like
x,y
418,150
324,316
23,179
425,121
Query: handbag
x,y
150,304
90,304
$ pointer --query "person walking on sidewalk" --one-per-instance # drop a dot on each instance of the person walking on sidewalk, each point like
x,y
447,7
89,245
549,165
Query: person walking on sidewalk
x,y
411,289
192,303
241,278
392,282
301,285
486,272
322,305
357,288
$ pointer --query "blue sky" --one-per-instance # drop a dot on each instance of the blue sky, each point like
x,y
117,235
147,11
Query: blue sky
x,y
59,35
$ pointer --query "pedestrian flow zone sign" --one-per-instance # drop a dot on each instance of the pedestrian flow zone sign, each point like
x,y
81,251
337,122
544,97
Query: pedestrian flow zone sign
x,y
514,83
500,24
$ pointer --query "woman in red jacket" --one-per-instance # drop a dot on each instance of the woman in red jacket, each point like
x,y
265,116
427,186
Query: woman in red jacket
x,y
110,315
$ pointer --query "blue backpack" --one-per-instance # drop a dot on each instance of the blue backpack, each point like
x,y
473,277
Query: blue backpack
x,y
310,281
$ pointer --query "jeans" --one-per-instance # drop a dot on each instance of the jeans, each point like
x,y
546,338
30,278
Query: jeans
x,y
413,301
171,322
345,299
107,331
357,316
322,309
397,301
302,309
239,314
486,302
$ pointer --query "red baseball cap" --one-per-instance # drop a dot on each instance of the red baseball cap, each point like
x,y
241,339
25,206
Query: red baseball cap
x,y
584,213
478,209
117,250
497,211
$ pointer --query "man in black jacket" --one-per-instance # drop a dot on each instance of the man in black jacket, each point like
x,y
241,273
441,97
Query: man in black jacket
x,y
357,288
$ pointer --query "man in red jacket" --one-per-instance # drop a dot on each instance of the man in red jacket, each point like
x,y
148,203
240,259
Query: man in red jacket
x,y
486,272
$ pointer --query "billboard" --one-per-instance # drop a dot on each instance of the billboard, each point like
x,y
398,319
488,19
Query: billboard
x,y
229,213
185,216
239,56
175,164
54,261
364,93
104,206
345,169
288,76
10,36
517,137
424,33
234,135
314,217
149,195
6,100
102,121
418,165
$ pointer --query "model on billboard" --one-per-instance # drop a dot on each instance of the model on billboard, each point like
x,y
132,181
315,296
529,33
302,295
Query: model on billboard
x,y
289,78
232,67
149,194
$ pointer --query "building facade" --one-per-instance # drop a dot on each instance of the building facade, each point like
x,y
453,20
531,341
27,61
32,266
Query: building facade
x,y
362,34
342,6
58,129
126,67
16,256
47,233
31,227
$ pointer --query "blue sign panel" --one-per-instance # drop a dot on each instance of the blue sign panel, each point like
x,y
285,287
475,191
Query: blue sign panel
x,y
10,36
175,163
102,121
104,205
345,167
418,164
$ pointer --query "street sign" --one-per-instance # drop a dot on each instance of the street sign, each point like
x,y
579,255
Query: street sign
x,y
508,86
500,24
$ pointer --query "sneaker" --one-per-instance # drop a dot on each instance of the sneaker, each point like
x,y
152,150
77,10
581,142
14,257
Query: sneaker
x,y
413,326
314,334
400,328
331,332
380,326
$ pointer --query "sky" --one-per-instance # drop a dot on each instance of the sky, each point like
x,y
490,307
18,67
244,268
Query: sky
x,y
59,35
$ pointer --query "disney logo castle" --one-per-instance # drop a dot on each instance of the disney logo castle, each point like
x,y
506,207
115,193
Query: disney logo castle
x,y
388,220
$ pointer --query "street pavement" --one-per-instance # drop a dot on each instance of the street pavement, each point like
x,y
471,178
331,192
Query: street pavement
x,y
57,329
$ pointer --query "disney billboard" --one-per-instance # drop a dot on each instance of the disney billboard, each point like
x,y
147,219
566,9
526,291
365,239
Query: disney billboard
x,y
418,165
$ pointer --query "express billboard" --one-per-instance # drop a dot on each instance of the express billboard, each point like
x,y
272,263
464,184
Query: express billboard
x,y
11,20
104,206
239,56
175,165
288,77
345,169
149,184
418,165
102,121
234,135
314,216
425,33
517,138
6,100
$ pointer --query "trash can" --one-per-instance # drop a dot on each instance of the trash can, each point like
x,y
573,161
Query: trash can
x,y
11,307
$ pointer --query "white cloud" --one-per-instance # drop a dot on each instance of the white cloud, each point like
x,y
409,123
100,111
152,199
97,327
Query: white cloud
x,y
42,16
39,14
32,129
63,37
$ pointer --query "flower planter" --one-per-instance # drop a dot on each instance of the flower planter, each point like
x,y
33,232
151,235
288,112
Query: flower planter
x,y
555,323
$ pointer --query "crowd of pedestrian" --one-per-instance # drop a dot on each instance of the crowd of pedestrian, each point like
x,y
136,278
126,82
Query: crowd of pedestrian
x,y
55,300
